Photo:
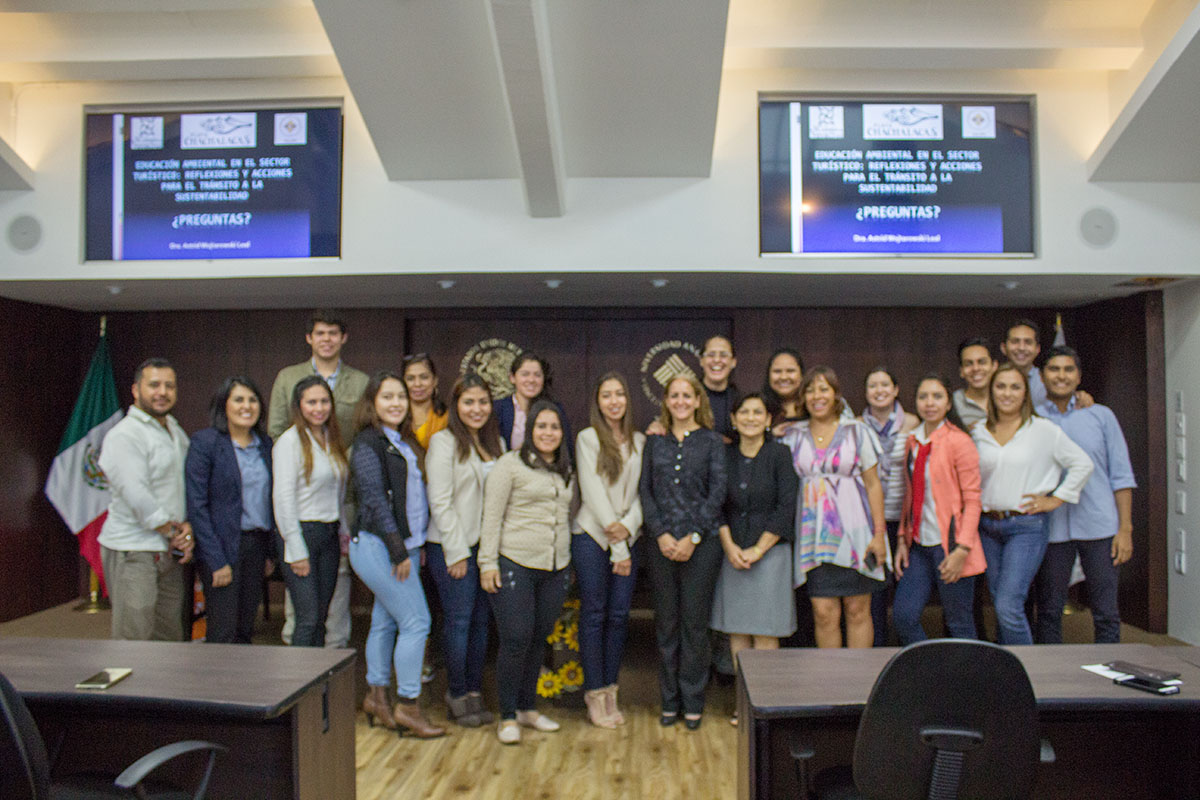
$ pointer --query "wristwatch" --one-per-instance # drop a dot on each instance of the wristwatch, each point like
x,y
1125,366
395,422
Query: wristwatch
x,y
695,537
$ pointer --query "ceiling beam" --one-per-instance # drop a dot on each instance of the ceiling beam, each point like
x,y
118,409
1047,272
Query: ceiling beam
x,y
521,34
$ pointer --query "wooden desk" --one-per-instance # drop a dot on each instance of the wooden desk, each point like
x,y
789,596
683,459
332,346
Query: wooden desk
x,y
1110,741
286,714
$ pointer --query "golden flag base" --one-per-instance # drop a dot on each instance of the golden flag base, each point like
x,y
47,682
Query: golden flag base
x,y
94,603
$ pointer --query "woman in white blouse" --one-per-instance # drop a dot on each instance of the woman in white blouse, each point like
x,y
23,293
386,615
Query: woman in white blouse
x,y
307,491
608,523
459,460
1028,467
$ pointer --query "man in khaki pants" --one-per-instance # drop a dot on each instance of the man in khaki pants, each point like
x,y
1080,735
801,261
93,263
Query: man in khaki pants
x,y
145,536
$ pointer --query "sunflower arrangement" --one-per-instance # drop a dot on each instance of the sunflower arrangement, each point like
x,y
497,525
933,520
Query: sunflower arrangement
x,y
549,684
563,678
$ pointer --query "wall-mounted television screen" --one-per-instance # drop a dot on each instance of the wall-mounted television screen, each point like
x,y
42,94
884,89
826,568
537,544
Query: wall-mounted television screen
x,y
213,182
896,176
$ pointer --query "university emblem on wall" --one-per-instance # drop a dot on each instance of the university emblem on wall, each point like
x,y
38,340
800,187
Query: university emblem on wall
x,y
93,476
664,361
492,360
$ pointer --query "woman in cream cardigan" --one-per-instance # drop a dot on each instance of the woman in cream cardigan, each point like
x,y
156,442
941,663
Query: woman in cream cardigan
x,y
607,525
459,460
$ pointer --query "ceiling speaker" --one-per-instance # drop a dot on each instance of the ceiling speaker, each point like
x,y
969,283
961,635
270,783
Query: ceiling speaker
x,y
24,233
1098,227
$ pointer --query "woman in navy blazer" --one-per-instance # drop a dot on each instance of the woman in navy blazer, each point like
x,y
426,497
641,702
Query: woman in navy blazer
x,y
531,380
228,476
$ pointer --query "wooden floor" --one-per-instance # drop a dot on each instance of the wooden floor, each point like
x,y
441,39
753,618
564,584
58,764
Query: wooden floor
x,y
640,759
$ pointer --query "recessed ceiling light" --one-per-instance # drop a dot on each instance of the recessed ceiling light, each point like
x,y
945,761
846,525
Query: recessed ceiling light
x,y
659,283
553,283
446,284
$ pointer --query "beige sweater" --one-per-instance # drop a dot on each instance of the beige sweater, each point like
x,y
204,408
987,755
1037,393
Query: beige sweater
x,y
525,517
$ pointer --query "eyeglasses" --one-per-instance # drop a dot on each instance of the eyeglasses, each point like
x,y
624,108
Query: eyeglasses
x,y
717,354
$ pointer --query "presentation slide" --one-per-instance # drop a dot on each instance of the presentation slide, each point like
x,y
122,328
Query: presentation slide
x,y
860,177
214,184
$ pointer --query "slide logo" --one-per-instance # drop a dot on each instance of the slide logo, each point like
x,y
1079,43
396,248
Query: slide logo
x,y
146,133
215,131
902,122
826,122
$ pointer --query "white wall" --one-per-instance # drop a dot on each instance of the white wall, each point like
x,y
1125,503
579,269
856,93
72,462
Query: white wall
x,y
611,224
1181,310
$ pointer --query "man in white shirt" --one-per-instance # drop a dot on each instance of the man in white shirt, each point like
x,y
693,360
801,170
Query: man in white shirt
x,y
145,536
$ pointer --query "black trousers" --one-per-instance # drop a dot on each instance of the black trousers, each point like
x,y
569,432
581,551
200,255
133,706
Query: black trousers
x,y
683,596
526,607
230,610
312,593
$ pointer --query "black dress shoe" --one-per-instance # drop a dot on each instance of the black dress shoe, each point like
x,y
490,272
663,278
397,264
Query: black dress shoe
x,y
691,724
668,719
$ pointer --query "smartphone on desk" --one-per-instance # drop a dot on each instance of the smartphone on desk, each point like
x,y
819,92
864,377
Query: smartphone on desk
x,y
1145,673
1153,687
105,678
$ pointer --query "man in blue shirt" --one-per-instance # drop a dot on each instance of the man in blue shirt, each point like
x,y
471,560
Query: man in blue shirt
x,y
1099,528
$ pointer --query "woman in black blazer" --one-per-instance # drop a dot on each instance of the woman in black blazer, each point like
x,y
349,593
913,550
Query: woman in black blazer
x,y
753,601
228,477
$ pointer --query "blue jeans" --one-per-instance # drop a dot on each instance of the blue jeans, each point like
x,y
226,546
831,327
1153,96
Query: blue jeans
x,y
1014,548
464,620
917,584
399,618
312,593
604,600
1053,579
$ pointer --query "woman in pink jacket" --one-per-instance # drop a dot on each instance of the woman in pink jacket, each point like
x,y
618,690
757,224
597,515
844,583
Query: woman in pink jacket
x,y
938,544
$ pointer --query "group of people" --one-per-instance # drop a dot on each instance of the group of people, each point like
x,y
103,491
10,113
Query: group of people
x,y
742,498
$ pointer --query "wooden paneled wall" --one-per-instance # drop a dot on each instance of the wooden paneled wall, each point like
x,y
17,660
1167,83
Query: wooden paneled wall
x,y
46,354
1120,343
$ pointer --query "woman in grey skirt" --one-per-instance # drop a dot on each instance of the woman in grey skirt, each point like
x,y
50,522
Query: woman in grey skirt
x,y
753,602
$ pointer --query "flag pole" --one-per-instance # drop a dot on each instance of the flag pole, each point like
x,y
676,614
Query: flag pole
x,y
95,602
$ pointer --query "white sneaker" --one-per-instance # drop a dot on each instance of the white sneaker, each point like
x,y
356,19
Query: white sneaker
x,y
509,732
539,722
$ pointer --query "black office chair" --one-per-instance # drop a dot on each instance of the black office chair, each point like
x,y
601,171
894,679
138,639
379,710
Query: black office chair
x,y
25,767
947,718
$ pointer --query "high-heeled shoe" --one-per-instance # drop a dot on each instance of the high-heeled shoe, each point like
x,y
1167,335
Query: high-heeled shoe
x,y
597,708
377,707
407,714
610,704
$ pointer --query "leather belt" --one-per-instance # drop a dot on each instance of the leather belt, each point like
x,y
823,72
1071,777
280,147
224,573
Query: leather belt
x,y
1004,514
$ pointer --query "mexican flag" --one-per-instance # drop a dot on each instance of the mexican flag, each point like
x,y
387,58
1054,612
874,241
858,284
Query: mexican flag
x,y
76,486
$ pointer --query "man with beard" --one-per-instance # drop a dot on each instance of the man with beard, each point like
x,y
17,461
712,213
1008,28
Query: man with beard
x,y
145,536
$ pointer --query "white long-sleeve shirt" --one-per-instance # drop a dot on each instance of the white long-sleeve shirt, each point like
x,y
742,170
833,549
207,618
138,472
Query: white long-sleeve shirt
x,y
1033,461
603,503
143,463
319,499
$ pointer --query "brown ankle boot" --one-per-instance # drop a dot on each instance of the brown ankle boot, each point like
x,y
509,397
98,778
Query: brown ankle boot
x,y
376,707
407,714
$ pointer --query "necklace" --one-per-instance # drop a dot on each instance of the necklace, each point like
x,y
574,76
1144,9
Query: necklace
x,y
828,434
